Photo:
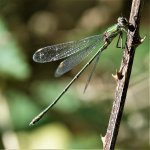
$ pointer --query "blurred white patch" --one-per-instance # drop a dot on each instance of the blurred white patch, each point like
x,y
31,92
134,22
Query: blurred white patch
x,y
52,136
136,121
93,18
43,23
10,140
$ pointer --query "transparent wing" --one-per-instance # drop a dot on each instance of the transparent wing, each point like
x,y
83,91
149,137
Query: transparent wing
x,y
75,59
92,71
63,50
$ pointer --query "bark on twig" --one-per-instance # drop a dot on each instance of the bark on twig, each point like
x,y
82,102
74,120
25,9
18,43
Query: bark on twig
x,y
133,40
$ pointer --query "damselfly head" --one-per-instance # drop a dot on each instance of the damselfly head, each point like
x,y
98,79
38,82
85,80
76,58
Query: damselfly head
x,y
122,22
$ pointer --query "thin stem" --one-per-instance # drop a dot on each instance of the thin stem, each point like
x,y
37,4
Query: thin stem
x,y
133,40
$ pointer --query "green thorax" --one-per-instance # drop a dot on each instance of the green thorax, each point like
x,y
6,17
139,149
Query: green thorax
x,y
113,31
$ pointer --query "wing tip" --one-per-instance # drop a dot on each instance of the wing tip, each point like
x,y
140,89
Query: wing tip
x,y
37,56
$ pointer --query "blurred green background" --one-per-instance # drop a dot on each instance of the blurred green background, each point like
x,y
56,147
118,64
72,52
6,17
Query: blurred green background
x,y
26,87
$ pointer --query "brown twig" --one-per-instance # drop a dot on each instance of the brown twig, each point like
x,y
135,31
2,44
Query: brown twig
x,y
133,40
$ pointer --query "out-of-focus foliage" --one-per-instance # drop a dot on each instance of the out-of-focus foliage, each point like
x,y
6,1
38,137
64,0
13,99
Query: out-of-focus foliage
x,y
26,87
12,62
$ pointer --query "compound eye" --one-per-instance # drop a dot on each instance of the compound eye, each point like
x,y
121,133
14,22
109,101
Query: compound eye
x,y
122,21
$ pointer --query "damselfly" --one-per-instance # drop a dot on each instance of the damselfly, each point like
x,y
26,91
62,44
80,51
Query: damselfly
x,y
74,52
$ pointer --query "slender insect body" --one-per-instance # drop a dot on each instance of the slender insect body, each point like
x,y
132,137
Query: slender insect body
x,y
74,52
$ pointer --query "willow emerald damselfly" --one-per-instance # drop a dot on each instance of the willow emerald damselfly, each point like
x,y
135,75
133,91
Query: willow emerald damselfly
x,y
74,52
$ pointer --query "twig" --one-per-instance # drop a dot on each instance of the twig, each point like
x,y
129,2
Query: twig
x,y
123,77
